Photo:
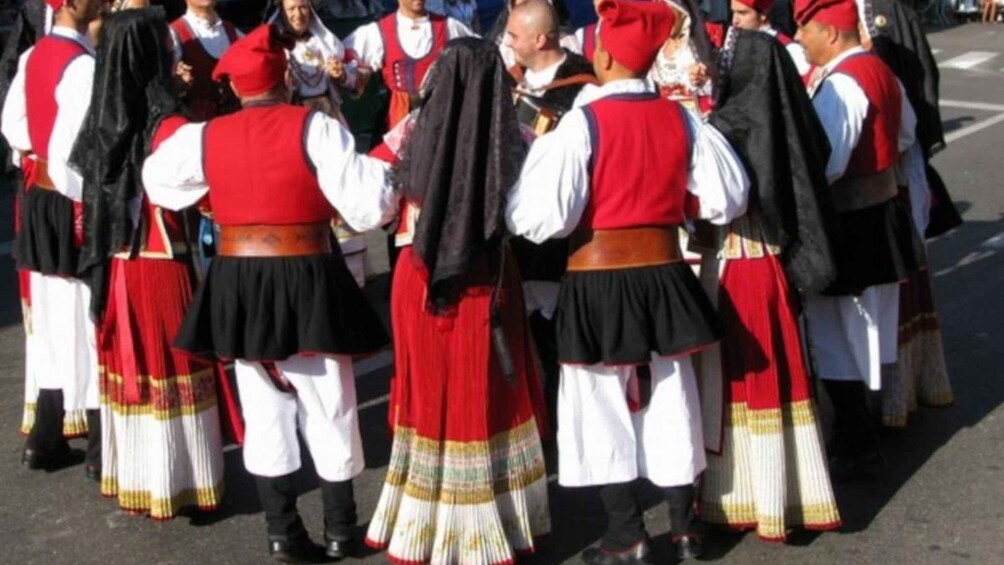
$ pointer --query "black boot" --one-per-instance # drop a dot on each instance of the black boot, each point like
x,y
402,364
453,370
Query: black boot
x,y
288,541
625,541
681,521
339,518
854,450
92,462
46,448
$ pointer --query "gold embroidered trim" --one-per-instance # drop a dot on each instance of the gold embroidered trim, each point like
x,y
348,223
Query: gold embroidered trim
x,y
205,498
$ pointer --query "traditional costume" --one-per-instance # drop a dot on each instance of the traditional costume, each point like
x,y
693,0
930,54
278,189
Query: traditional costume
x,y
795,51
852,325
618,176
898,38
200,43
466,481
691,47
766,462
314,88
278,300
41,118
161,429
403,50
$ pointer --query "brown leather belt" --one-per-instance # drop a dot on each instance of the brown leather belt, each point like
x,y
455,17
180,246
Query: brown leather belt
x,y
857,193
624,248
42,178
275,241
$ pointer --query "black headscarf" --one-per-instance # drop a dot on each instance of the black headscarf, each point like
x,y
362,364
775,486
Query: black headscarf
x,y
765,113
463,156
902,44
132,93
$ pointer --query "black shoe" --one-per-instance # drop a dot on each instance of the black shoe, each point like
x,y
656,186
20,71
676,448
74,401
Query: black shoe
x,y
36,459
688,547
295,549
339,548
92,472
637,554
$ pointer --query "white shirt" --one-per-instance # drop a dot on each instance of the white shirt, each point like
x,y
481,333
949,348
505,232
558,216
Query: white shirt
x,y
534,82
553,188
842,107
212,36
795,51
415,37
356,185
73,97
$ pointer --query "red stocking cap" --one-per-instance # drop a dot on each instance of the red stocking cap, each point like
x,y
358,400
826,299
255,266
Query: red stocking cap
x,y
255,63
633,31
55,4
762,6
841,14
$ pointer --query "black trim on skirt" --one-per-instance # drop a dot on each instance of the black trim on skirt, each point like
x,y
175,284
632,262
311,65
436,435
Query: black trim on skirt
x,y
873,246
623,316
270,308
45,244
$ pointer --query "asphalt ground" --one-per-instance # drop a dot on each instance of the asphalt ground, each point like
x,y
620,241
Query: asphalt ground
x,y
942,500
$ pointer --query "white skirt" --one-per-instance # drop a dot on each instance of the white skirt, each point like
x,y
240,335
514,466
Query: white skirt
x,y
851,337
601,441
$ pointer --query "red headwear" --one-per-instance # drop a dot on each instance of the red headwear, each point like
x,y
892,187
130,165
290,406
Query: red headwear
x,y
634,31
762,6
55,4
255,63
841,14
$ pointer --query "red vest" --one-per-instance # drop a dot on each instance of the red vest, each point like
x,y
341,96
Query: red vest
x,y
589,42
43,71
204,92
878,148
640,157
401,72
258,171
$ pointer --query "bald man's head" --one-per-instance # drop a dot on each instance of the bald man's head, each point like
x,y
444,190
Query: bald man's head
x,y
532,29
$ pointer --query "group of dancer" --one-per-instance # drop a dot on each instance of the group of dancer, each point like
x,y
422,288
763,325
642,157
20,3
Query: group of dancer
x,y
638,243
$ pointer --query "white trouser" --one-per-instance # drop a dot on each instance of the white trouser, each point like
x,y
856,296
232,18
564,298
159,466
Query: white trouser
x,y
63,346
851,337
323,408
600,441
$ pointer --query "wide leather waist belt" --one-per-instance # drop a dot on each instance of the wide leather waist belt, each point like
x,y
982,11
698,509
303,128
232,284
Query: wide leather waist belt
x,y
624,248
859,192
42,178
275,241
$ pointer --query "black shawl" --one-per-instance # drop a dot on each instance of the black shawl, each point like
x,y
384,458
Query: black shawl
x,y
902,44
132,93
462,158
765,113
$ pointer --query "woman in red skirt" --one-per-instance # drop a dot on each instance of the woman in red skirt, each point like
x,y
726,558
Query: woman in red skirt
x,y
466,481
162,449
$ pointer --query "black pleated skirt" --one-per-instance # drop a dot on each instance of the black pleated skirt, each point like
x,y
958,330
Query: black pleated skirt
x,y
873,246
45,243
268,309
622,317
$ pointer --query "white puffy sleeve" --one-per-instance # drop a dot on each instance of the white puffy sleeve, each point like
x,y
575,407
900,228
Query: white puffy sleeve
x,y
73,97
553,188
717,178
841,106
367,44
173,176
358,186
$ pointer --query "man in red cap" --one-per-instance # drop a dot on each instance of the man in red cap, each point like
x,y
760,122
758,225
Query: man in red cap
x,y
42,115
753,15
853,323
618,176
278,299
